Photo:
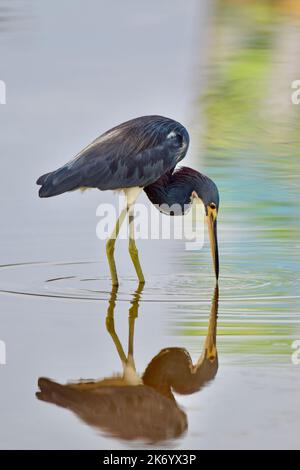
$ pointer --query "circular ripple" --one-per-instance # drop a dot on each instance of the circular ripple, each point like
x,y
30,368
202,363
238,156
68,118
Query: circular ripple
x,y
81,281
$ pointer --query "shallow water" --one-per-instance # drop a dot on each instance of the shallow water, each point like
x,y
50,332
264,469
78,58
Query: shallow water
x,y
54,285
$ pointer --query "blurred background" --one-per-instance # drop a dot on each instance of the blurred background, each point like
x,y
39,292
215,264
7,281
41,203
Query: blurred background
x,y
224,69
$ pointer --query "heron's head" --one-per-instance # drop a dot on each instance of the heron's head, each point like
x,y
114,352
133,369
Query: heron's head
x,y
206,190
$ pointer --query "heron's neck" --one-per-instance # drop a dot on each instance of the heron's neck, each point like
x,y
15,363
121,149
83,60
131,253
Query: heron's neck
x,y
172,370
172,198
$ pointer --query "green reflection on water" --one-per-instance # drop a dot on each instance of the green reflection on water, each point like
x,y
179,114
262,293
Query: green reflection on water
x,y
251,146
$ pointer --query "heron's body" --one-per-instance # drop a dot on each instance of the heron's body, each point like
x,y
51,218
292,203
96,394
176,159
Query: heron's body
x,y
138,154
133,154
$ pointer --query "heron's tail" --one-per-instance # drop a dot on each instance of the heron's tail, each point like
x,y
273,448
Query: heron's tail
x,y
58,182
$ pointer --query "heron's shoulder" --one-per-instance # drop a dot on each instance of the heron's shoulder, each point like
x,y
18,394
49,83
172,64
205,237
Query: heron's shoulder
x,y
147,119
139,134
134,127
143,125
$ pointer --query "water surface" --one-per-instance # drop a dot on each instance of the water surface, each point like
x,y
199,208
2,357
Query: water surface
x,y
65,87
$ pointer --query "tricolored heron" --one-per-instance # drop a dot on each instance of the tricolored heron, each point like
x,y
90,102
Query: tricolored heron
x,y
139,154
130,406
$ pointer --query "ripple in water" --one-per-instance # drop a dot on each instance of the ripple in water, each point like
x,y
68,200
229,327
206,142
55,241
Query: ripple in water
x,y
81,281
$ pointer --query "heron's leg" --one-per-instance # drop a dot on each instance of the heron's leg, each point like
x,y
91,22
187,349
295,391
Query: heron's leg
x,y
132,247
110,325
110,247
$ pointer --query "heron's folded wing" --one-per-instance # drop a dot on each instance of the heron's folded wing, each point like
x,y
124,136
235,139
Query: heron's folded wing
x,y
135,153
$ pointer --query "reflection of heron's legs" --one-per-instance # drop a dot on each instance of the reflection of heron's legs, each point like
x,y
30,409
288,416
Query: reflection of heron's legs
x,y
133,313
110,247
110,325
129,371
133,251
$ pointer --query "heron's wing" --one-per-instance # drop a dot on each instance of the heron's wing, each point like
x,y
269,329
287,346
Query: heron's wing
x,y
135,153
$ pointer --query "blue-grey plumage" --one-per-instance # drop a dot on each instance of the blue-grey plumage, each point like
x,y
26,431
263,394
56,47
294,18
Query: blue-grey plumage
x,y
133,154
173,192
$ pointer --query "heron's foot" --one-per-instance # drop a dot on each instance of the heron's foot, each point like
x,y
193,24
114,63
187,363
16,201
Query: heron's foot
x,y
110,249
136,262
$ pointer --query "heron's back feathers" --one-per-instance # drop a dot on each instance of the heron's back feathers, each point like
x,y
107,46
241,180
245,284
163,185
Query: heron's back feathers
x,y
135,153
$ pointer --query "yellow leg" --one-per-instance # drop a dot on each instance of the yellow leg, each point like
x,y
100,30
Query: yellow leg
x,y
110,325
133,313
110,247
133,249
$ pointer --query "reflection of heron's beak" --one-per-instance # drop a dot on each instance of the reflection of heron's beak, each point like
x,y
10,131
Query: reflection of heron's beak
x,y
212,230
211,338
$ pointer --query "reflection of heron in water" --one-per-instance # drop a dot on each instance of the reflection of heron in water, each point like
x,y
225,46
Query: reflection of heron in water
x,y
132,407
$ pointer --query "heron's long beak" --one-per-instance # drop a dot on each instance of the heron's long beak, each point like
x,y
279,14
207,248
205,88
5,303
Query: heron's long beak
x,y
212,230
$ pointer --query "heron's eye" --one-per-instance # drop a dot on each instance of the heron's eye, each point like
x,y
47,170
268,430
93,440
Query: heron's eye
x,y
212,205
